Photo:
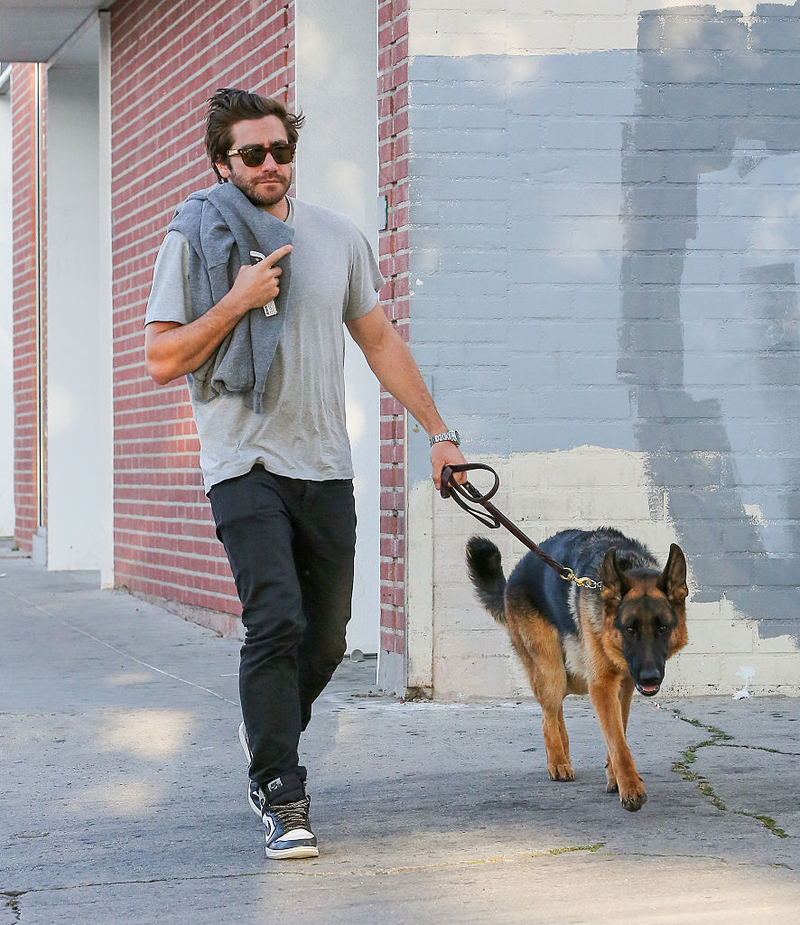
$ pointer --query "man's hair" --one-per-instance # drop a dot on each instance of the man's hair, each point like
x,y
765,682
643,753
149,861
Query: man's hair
x,y
229,106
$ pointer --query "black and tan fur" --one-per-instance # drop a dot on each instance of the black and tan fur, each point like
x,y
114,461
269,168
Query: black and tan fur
x,y
574,640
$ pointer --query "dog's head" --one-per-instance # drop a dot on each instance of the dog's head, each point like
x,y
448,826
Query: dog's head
x,y
645,615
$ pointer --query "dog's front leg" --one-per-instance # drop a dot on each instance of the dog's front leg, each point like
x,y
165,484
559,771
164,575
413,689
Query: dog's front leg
x,y
625,694
605,694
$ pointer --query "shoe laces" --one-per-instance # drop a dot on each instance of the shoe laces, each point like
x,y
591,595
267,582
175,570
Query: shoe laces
x,y
292,815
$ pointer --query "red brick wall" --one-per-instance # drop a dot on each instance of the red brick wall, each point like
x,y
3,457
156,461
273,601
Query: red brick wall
x,y
394,261
24,168
167,58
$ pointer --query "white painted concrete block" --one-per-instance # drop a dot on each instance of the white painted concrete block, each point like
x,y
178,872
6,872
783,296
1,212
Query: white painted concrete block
x,y
470,656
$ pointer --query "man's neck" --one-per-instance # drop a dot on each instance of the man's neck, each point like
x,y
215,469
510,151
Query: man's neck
x,y
280,210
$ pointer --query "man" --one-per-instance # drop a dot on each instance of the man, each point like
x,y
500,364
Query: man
x,y
250,292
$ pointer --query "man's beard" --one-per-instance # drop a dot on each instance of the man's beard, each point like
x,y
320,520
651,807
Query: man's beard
x,y
259,194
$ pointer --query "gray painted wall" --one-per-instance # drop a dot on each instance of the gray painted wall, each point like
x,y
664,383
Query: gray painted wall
x,y
710,168
604,253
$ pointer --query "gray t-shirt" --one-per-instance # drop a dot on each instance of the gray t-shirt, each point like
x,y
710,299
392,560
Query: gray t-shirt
x,y
302,432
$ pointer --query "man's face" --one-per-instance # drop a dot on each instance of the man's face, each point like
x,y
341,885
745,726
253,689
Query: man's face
x,y
265,185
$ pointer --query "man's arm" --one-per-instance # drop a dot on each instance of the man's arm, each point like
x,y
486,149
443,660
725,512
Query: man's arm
x,y
173,349
391,361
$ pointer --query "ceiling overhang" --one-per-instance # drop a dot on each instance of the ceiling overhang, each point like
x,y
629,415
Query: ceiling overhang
x,y
35,31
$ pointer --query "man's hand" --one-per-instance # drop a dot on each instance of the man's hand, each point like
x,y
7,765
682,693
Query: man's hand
x,y
258,284
172,349
446,454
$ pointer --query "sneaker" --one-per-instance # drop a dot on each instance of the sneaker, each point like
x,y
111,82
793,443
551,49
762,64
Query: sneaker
x,y
289,832
253,790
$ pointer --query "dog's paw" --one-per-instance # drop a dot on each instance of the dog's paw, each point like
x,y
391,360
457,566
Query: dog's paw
x,y
561,772
612,787
633,800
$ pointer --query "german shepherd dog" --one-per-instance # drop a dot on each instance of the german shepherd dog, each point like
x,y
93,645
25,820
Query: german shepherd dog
x,y
575,640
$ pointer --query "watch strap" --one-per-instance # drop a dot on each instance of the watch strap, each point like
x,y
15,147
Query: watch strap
x,y
449,435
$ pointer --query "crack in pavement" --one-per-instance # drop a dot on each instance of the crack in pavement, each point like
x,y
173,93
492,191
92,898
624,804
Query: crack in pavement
x,y
721,739
12,902
499,859
12,895
762,748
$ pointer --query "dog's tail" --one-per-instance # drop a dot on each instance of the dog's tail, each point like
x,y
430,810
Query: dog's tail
x,y
485,568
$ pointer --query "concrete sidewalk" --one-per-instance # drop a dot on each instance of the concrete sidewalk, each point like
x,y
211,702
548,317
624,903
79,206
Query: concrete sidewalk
x,y
123,792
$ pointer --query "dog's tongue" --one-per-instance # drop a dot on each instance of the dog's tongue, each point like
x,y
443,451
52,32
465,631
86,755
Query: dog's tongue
x,y
648,689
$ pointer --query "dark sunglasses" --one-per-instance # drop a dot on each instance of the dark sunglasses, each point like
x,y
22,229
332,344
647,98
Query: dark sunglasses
x,y
254,155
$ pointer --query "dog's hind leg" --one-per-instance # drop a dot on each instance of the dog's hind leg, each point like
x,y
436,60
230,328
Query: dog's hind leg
x,y
559,764
564,737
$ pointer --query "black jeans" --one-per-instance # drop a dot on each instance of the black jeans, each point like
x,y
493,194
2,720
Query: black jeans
x,y
291,546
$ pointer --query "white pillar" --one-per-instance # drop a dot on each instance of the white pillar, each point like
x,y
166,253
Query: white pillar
x,y
337,167
79,464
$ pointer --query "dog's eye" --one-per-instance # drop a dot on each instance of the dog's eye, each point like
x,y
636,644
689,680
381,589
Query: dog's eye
x,y
631,630
662,629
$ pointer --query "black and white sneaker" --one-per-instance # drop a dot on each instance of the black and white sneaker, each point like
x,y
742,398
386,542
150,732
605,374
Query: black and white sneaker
x,y
253,790
289,832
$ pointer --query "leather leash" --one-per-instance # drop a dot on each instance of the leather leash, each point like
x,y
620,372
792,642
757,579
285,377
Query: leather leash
x,y
468,497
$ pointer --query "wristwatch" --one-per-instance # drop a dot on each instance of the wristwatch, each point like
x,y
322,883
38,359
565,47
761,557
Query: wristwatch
x,y
451,435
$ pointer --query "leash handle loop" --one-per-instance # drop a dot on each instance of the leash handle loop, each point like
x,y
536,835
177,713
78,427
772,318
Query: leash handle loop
x,y
450,485
469,498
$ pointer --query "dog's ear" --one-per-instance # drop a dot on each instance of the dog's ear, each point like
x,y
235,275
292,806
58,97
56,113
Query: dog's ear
x,y
673,579
614,579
